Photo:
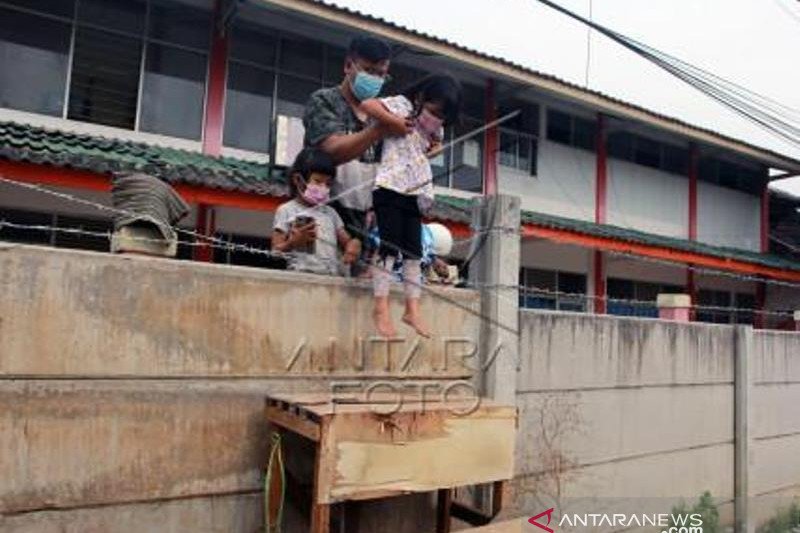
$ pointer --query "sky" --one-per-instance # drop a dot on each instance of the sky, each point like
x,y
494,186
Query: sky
x,y
754,43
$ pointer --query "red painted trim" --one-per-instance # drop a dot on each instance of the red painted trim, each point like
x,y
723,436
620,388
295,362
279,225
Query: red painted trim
x,y
600,287
694,158
213,125
600,209
491,142
82,179
657,252
601,172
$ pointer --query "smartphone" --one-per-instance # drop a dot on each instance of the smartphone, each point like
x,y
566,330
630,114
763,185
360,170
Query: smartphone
x,y
300,222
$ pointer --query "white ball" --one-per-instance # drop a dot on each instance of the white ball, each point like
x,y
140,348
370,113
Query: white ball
x,y
442,239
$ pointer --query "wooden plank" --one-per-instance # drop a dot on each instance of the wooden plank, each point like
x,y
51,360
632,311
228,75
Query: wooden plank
x,y
444,501
416,452
299,424
320,510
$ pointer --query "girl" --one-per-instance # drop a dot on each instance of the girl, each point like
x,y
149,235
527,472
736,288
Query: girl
x,y
307,228
404,187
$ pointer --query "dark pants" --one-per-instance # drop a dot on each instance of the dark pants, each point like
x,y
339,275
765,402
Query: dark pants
x,y
399,223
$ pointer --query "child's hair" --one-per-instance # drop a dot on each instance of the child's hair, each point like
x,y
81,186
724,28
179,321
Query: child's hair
x,y
442,88
308,161
369,48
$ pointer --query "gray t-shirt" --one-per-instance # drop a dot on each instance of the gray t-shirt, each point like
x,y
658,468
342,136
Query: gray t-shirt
x,y
327,113
325,259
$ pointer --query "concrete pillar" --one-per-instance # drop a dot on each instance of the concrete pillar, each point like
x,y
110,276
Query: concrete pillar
x,y
676,307
495,269
742,422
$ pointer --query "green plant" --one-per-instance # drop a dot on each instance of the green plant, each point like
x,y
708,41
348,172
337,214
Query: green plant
x,y
705,507
786,520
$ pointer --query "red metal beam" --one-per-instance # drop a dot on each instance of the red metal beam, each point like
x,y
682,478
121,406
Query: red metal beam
x,y
601,172
600,211
491,142
657,252
694,158
206,225
213,125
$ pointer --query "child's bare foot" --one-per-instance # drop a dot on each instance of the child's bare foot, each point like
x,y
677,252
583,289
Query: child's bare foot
x,y
383,318
415,322
384,326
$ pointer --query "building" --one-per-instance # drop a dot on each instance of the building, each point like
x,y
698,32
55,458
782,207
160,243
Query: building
x,y
620,203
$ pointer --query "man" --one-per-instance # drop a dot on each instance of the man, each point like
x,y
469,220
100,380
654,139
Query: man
x,y
334,123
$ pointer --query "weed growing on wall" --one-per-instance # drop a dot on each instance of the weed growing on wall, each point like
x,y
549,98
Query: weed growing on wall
x,y
705,507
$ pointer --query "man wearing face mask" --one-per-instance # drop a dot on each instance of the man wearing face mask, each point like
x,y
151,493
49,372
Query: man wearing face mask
x,y
334,123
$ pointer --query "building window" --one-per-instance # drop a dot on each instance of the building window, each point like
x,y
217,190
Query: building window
x,y
105,78
248,108
518,151
636,298
737,176
647,152
549,289
173,92
571,130
135,64
47,232
34,54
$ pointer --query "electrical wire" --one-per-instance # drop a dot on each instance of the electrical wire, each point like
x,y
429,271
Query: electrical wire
x,y
778,119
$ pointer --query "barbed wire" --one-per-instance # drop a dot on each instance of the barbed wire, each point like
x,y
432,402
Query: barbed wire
x,y
202,240
523,290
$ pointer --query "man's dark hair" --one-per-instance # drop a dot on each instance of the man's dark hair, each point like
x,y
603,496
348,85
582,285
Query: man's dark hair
x,y
309,161
369,48
442,88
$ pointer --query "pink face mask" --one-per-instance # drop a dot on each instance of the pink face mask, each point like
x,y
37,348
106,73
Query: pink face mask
x,y
316,194
429,123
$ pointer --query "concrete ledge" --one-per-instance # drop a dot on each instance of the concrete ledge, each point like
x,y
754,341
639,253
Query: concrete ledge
x,y
87,314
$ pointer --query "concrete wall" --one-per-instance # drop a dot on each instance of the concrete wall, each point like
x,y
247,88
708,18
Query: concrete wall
x,y
648,200
775,476
133,388
728,218
638,414
563,185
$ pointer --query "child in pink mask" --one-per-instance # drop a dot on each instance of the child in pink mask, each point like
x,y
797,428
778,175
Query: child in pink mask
x,y
403,188
308,230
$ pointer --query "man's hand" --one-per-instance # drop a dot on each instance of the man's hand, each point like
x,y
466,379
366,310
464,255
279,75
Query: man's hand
x,y
303,235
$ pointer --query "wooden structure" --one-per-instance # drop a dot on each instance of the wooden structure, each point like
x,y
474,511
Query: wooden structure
x,y
385,445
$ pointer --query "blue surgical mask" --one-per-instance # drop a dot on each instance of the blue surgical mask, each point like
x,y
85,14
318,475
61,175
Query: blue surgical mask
x,y
366,86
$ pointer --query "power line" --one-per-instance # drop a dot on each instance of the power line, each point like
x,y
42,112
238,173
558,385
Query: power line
x,y
763,111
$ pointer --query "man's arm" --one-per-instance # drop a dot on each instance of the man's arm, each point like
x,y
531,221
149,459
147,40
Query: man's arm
x,y
346,147
394,124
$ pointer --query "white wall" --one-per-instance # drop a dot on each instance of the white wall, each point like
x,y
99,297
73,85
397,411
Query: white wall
x,y
547,255
728,218
647,199
564,185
